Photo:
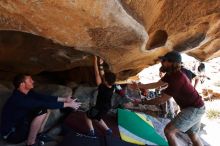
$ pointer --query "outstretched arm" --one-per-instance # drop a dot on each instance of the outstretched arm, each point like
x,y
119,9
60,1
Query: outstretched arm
x,y
149,86
65,99
162,99
155,101
73,104
152,85
97,73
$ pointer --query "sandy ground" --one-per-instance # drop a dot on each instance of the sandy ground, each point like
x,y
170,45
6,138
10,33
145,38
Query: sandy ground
x,y
210,132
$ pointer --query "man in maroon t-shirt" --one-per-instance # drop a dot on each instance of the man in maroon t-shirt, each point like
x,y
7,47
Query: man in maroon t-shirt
x,y
179,87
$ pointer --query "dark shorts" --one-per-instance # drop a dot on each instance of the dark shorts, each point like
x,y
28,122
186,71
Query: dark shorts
x,y
19,133
35,113
96,114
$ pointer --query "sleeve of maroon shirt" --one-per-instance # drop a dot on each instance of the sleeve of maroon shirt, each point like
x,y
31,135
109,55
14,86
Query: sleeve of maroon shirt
x,y
166,79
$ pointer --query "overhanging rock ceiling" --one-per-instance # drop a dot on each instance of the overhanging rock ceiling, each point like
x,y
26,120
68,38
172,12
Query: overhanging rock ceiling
x,y
129,35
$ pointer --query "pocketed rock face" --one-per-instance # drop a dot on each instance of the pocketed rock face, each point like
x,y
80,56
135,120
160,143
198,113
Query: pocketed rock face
x,y
129,35
183,25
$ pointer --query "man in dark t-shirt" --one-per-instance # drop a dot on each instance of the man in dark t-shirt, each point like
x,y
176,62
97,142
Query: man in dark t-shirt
x,y
25,112
190,76
188,73
180,88
103,103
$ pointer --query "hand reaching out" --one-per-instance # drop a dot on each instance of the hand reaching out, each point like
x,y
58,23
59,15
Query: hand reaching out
x,y
74,104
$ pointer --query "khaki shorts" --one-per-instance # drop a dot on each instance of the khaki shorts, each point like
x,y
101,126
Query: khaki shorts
x,y
188,120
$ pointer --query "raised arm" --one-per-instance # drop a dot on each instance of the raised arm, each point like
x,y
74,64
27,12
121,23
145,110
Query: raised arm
x,y
97,73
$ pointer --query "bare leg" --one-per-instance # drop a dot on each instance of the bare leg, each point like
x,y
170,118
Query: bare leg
x,y
170,132
45,121
89,123
195,139
35,128
103,124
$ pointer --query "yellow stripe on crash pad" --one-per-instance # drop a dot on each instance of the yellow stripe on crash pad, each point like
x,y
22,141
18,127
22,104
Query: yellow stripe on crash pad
x,y
130,139
143,117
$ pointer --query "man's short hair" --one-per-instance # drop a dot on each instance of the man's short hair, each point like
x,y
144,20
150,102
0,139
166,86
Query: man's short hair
x,y
110,78
18,79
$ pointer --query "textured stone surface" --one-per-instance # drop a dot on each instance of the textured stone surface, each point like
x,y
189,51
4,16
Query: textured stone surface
x,y
129,35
